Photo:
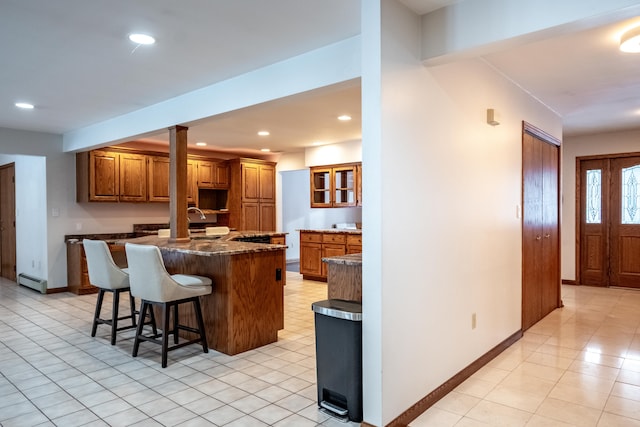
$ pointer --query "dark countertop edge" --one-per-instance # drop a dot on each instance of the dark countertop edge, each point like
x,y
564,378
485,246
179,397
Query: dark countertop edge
x,y
332,230
202,247
351,259
69,238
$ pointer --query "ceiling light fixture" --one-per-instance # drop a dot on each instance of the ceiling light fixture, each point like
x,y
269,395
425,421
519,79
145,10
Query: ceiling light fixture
x,y
265,150
24,105
344,118
141,38
264,133
630,41
201,144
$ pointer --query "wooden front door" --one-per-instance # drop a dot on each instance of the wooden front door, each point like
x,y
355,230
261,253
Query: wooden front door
x,y
609,219
540,226
7,222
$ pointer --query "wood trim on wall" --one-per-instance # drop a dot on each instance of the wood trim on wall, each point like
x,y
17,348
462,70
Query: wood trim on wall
x,y
430,399
569,282
57,290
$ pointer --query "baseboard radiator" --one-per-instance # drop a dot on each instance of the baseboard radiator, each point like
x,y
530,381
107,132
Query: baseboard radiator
x,y
32,282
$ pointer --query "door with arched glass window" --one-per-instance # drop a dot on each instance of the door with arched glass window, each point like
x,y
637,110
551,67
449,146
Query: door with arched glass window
x,y
610,221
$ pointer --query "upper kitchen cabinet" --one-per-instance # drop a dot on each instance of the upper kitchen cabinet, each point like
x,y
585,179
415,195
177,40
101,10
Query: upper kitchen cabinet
x,y
158,178
212,174
110,176
252,194
335,186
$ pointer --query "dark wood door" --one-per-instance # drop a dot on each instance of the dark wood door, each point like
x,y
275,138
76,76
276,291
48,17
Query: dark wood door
x,y
625,222
540,228
7,222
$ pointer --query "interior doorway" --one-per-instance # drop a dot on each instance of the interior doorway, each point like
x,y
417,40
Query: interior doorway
x,y
8,222
540,225
608,211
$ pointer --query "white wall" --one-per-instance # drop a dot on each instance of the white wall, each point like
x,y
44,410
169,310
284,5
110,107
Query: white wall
x,y
449,234
577,146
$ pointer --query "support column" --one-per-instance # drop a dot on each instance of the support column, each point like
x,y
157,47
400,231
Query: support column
x,y
178,217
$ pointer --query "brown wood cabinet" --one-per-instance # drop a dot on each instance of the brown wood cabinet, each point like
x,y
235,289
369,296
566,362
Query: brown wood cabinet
x,y
252,195
158,179
335,186
212,174
111,176
125,175
315,245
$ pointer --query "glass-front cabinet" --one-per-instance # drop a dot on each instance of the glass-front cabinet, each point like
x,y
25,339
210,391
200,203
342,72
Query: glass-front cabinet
x,y
334,186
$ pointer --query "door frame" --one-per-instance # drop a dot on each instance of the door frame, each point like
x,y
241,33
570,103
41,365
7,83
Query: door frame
x,y
578,208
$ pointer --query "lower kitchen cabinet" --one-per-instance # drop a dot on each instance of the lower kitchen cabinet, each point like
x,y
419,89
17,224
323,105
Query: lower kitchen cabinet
x,y
315,245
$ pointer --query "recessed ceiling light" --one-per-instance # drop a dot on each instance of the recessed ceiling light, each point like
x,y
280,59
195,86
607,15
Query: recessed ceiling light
x,y
141,38
24,105
201,144
630,41
265,150
264,133
344,118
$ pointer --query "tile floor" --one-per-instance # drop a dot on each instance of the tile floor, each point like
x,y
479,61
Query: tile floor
x,y
52,372
579,366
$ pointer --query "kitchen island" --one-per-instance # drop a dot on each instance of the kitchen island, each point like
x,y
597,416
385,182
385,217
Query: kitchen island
x,y
344,277
246,308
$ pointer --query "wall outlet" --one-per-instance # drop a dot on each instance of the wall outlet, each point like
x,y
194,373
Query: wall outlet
x,y
473,320
78,226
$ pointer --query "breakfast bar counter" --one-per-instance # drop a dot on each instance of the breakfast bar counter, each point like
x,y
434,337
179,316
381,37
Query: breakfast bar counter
x,y
246,308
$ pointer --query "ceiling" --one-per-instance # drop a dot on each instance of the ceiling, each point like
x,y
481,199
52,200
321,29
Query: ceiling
x,y
73,61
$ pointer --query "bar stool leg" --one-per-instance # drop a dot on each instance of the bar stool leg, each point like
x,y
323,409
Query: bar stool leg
x,y
114,315
96,316
203,336
165,333
176,323
144,306
132,304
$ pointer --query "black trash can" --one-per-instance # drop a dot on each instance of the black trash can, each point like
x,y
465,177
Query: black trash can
x,y
339,357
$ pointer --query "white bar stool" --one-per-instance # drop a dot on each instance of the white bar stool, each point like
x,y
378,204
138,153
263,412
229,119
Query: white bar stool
x,y
150,281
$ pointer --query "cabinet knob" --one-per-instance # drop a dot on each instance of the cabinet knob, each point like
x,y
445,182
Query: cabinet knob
x,y
546,236
538,237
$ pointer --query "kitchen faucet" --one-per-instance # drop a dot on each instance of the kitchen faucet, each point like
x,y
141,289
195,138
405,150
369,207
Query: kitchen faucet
x,y
193,208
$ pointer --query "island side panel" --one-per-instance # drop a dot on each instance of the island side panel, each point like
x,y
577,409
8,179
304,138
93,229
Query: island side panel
x,y
344,281
257,299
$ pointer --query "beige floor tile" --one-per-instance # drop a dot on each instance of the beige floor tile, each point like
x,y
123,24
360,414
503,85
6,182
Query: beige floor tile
x,y
435,417
568,412
612,420
458,403
515,398
627,391
624,407
495,414
579,395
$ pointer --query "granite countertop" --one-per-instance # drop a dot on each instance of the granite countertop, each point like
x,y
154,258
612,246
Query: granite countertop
x,y
207,245
351,259
333,230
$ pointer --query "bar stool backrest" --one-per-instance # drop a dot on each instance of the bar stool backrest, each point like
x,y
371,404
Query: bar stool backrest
x,y
103,271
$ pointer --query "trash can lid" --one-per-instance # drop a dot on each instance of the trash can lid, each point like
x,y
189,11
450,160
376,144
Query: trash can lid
x,y
341,309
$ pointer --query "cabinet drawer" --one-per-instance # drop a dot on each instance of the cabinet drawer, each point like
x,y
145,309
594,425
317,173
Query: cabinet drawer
x,y
311,237
334,238
354,239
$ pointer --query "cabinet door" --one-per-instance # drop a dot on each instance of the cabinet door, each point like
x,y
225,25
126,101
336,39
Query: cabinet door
x,y
321,187
267,217
311,259
354,244
221,176
250,216
267,183
104,174
205,174
329,250
158,176
344,186
133,178
250,182
192,182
